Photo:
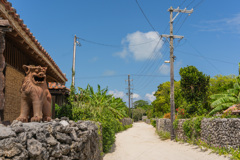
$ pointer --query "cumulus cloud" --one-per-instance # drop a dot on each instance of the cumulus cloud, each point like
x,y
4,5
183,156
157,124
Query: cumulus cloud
x,y
141,46
136,96
109,73
123,95
150,97
117,94
164,69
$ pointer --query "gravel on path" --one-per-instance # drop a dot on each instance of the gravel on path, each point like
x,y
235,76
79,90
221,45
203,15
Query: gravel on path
x,y
142,143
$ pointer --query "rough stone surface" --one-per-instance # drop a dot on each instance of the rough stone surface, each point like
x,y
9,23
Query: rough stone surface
x,y
221,132
163,124
126,121
148,121
61,139
216,132
179,132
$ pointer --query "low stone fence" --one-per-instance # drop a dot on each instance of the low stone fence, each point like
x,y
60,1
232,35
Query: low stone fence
x,y
63,139
144,118
217,132
221,132
126,121
148,121
163,124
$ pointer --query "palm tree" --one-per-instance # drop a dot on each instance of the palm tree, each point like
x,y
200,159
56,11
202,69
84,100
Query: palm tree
x,y
225,100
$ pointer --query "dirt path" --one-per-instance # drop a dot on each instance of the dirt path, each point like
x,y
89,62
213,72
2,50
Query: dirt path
x,y
142,143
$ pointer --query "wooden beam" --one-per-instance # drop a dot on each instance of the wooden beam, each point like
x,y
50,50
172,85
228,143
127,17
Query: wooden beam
x,y
4,27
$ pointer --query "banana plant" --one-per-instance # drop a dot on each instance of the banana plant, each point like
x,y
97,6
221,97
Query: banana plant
x,y
225,100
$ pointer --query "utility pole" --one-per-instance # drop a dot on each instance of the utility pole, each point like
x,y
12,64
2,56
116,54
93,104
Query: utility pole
x,y
75,42
132,106
172,57
129,93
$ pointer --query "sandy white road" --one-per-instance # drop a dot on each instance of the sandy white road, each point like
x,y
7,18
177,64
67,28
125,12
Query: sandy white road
x,y
142,143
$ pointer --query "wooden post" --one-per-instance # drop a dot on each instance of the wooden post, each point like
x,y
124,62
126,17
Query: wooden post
x,y
53,107
4,27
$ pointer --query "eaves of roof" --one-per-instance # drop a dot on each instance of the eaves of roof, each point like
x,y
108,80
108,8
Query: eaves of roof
x,y
17,24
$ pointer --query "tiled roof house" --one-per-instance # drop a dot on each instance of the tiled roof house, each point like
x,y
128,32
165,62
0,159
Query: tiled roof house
x,y
18,46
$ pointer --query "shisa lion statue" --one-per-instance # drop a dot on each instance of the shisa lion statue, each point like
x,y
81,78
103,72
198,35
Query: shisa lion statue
x,y
35,96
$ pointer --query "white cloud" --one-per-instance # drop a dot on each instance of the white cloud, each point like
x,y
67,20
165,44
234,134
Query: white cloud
x,y
122,54
124,96
150,97
225,25
136,96
109,73
164,69
117,94
141,46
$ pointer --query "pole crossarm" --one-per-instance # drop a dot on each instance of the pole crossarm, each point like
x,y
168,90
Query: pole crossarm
x,y
180,10
172,36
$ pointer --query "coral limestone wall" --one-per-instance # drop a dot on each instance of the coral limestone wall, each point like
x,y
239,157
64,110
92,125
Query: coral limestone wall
x,y
216,132
63,140
221,132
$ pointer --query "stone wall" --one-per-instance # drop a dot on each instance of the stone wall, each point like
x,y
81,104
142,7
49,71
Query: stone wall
x,y
179,132
217,132
64,140
144,118
126,121
221,132
163,124
148,121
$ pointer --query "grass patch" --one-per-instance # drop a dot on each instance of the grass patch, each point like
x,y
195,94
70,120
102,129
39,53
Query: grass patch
x,y
164,135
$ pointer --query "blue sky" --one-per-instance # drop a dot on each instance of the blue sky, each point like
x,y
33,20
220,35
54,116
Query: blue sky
x,y
211,43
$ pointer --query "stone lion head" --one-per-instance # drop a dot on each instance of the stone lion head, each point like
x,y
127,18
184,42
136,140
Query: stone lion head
x,y
37,74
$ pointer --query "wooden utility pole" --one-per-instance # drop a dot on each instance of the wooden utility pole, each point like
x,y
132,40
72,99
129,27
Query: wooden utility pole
x,y
172,57
75,42
129,93
74,58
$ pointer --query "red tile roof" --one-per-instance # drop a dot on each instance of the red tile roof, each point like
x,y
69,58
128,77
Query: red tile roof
x,y
13,13
55,85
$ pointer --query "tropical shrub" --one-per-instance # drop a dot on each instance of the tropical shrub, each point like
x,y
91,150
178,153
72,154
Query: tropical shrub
x,y
63,111
101,107
224,100
167,115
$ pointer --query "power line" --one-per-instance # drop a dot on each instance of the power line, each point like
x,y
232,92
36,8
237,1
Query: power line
x,y
218,60
190,3
97,77
146,17
112,45
182,3
204,58
196,6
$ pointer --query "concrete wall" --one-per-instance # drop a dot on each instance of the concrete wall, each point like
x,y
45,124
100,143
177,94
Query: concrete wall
x,y
217,132
64,140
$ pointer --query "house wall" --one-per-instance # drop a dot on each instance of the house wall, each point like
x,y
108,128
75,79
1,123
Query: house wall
x,y
14,80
